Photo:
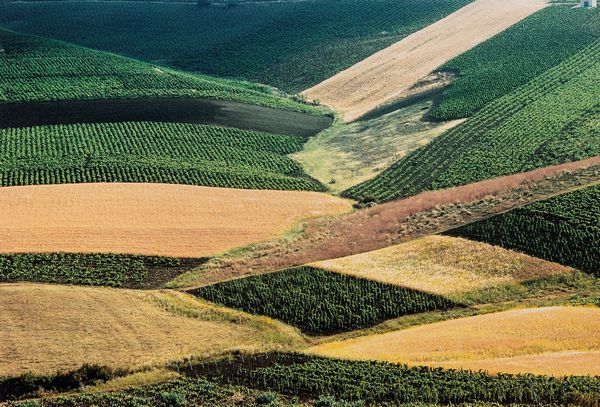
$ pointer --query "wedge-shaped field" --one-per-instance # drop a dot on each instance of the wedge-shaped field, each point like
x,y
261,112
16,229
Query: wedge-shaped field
x,y
176,153
38,69
499,342
444,265
292,45
319,301
514,57
47,328
387,75
525,129
564,229
151,219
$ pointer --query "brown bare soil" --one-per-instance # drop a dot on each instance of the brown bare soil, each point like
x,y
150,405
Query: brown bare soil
x,y
396,222
153,219
45,328
389,74
555,340
445,265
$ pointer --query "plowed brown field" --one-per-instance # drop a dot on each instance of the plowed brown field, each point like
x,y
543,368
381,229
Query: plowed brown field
x,y
552,340
389,74
153,219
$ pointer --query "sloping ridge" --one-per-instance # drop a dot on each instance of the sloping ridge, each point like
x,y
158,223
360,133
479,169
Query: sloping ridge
x,y
385,76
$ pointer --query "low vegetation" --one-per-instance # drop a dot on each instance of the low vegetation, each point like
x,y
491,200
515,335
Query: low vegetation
x,y
321,302
514,57
38,69
291,45
151,152
526,129
564,229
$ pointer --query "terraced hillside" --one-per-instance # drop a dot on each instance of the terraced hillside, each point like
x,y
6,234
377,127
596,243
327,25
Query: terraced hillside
x,y
514,57
291,45
564,229
525,129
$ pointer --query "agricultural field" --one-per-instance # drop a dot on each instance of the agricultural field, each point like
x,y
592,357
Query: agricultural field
x,y
120,328
514,57
321,302
444,265
564,229
491,342
526,129
176,220
176,153
39,69
289,45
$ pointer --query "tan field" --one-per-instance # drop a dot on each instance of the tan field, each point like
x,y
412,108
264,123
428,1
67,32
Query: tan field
x,y
445,265
390,73
153,219
50,327
551,340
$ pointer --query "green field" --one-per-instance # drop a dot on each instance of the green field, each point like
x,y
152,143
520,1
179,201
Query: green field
x,y
38,69
564,229
553,119
514,57
290,45
85,269
320,301
151,152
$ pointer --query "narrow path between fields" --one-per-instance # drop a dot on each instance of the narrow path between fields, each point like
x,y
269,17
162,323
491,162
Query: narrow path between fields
x,y
387,75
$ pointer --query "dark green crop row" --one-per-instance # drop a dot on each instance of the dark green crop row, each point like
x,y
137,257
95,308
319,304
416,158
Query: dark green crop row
x,y
151,152
38,69
564,229
86,269
291,45
514,57
551,120
320,301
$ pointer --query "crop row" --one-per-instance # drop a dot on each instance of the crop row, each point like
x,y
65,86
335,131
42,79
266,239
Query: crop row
x,y
85,269
320,301
150,152
517,132
514,57
378,383
36,69
292,45
564,229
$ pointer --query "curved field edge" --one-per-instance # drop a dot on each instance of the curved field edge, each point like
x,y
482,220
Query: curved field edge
x,y
467,343
514,57
34,69
525,129
155,152
151,219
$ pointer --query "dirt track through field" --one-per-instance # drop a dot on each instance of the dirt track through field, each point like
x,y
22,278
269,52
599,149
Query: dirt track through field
x,y
556,340
387,75
153,219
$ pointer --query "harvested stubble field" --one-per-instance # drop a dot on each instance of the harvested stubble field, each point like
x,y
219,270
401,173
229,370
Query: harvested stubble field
x,y
151,219
50,327
444,265
396,222
556,340
387,75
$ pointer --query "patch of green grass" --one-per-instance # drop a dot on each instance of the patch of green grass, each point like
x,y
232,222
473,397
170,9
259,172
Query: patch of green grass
x,y
514,57
320,301
291,45
532,127
151,152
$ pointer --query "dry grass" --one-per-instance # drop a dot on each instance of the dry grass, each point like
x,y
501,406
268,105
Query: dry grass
x,y
387,75
569,337
47,327
155,219
445,265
